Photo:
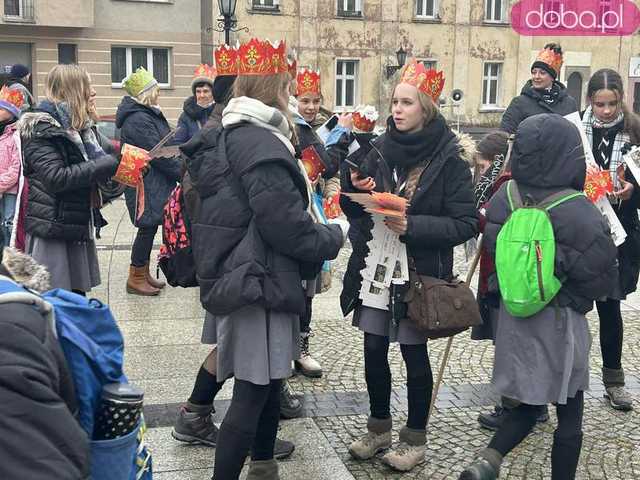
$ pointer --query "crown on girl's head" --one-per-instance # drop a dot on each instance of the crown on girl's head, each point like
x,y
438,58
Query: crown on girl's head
x,y
365,118
204,71
428,81
308,82
12,96
551,57
256,57
292,63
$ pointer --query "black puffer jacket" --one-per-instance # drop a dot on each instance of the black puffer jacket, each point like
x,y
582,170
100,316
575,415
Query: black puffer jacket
x,y
253,237
441,215
41,438
530,102
547,157
330,157
192,119
60,180
144,127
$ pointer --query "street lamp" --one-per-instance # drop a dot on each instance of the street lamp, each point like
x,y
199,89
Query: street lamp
x,y
401,56
228,22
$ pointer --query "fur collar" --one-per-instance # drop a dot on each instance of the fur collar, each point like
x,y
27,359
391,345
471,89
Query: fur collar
x,y
467,147
26,270
28,121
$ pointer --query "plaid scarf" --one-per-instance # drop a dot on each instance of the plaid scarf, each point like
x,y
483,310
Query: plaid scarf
x,y
590,122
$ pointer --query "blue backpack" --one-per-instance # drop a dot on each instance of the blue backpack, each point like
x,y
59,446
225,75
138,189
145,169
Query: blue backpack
x,y
93,348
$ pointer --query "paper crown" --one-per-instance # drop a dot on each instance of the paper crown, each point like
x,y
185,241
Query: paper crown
x,y
204,74
292,63
139,82
308,81
551,58
365,118
11,99
428,81
255,57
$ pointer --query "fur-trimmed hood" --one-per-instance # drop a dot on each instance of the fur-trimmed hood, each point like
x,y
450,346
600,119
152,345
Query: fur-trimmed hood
x,y
467,147
25,270
28,122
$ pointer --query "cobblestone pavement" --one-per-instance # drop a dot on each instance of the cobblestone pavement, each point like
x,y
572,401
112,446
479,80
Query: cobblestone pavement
x,y
163,354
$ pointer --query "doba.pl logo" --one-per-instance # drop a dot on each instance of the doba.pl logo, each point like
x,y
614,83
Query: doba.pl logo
x,y
575,17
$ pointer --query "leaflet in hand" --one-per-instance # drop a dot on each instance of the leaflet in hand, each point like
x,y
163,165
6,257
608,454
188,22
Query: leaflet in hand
x,y
381,203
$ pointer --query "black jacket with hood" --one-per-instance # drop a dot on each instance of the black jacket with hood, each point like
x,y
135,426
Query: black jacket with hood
x,y
192,119
253,239
441,214
60,180
548,157
145,127
530,102
41,439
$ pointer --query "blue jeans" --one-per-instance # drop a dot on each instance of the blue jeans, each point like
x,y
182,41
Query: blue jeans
x,y
7,209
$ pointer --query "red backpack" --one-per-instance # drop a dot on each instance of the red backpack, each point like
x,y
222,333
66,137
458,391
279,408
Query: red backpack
x,y
176,257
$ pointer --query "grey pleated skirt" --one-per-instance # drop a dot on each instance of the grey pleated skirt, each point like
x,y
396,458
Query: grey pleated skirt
x,y
254,344
378,322
542,359
72,265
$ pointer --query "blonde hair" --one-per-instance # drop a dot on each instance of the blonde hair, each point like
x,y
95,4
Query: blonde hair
x,y
150,97
70,84
429,107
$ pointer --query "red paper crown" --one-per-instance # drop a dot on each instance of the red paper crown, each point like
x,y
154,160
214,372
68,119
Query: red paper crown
x,y
428,81
551,58
12,96
308,82
597,184
364,119
312,163
255,57
205,71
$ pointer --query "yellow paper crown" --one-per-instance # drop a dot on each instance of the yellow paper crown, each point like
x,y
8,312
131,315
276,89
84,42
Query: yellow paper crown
x,y
139,82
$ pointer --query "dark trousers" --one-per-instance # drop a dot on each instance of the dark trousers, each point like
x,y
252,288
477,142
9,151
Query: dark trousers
x,y
305,320
142,246
611,331
378,377
567,439
251,423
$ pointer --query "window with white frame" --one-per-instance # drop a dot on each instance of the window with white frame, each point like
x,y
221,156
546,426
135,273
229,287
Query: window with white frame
x,y
18,9
125,60
265,4
350,8
427,8
495,11
430,64
491,80
346,83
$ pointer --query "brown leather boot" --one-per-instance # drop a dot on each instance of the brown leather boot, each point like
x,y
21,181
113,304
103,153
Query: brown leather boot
x,y
154,282
137,282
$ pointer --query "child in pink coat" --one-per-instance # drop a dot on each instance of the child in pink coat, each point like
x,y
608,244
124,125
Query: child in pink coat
x,y
10,102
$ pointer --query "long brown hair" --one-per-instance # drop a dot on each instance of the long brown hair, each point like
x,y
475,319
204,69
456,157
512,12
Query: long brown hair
x,y
429,107
70,84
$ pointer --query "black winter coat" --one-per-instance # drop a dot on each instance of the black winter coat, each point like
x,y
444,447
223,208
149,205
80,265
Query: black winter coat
x,y
60,180
547,157
253,240
41,438
330,157
145,127
441,215
530,102
192,119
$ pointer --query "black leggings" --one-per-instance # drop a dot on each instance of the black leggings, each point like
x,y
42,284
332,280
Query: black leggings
x,y
250,423
142,246
305,320
378,377
567,439
611,331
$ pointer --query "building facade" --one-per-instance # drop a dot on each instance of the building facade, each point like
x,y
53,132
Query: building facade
x,y
110,38
353,42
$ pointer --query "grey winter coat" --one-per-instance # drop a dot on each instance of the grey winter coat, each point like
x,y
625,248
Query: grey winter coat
x,y
530,102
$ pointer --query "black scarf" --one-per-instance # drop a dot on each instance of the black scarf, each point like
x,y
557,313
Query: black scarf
x,y
603,140
550,95
404,150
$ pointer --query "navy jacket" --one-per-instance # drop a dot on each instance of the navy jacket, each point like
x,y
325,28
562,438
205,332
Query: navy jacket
x,y
192,119
144,127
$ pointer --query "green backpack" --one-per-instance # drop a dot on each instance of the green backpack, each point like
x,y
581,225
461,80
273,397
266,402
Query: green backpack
x,y
526,252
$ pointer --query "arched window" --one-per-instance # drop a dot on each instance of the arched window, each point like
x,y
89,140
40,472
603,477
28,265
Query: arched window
x,y
574,86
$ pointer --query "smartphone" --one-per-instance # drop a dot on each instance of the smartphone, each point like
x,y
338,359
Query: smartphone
x,y
356,168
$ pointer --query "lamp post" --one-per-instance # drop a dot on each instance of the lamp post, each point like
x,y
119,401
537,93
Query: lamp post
x,y
228,23
401,57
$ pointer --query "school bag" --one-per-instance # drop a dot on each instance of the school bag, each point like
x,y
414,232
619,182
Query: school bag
x,y
526,252
176,256
93,348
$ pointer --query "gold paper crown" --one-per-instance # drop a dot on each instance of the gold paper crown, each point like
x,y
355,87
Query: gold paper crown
x,y
365,118
204,72
12,97
308,82
551,58
428,81
255,57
